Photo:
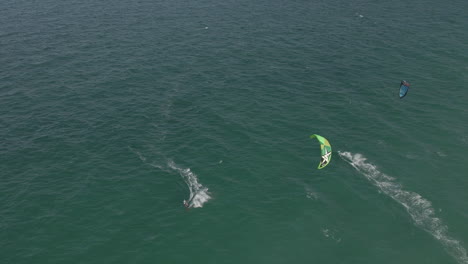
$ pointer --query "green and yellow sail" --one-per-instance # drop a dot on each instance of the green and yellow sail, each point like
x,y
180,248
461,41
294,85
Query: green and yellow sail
x,y
326,150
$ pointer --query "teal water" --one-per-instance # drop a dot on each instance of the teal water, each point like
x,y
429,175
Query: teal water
x,y
113,113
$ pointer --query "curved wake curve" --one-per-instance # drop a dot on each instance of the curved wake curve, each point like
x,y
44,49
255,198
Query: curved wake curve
x,y
198,193
420,209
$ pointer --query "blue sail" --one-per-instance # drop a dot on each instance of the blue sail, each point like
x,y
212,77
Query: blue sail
x,y
404,87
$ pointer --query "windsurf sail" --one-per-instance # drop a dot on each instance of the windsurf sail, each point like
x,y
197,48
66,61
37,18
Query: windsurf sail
x,y
404,87
325,149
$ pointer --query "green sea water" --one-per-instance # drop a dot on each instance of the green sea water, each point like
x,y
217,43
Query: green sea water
x,y
112,113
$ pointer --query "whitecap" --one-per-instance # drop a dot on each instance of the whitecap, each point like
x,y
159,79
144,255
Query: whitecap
x,y
331,234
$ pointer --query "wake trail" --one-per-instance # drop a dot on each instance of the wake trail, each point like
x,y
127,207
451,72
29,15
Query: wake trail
x,y
199,194
420,209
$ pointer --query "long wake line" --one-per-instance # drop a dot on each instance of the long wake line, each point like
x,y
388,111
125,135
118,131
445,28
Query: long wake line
x,y
420,209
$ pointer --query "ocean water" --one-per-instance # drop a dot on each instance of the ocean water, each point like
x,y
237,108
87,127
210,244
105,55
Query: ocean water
x,y
113,113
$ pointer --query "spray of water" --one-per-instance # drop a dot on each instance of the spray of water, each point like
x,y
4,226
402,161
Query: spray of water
x,y
199,194
420,209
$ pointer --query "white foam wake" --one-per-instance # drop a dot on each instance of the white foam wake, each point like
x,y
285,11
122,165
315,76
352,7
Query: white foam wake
x,y
420,209
198,193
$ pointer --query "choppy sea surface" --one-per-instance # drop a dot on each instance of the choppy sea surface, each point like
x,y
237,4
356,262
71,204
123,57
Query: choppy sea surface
x,y
112,113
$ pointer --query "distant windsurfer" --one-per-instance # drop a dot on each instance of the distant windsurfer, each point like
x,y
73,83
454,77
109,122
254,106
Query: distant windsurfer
x,y
186,204
404,87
